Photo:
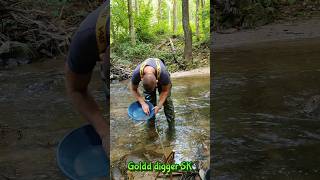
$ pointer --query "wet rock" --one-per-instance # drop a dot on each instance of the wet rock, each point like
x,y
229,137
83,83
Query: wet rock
x,y
22,61
41,86
11,63
120,167
312,107
114,77
202,174
119,72
134,158
36,87
43,176
14,62
116,173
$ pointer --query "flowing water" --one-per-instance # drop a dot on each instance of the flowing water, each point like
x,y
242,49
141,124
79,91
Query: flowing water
x,y
189,139
266,116
36,114
267,111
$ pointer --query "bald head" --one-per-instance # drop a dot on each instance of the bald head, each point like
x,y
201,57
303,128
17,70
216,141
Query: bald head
x,y
149,82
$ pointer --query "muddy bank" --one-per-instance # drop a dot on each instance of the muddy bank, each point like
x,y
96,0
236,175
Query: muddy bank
x,y
290,30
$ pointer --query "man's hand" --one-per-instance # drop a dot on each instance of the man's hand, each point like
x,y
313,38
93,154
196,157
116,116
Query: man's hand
x,y
135,92
163,96
145,108
103,131
77,85
157,109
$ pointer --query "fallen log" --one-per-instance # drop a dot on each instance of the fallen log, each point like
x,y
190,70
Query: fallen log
x,y
162,44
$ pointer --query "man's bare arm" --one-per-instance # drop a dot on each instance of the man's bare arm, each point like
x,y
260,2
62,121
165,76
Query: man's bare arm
x,y
136,94
163,96
77,89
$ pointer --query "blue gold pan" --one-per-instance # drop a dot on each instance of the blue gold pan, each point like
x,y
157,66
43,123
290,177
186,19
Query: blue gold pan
x,y
80,155
136,113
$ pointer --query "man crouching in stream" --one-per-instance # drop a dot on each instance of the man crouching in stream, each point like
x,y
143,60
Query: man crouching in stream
x,y
153,74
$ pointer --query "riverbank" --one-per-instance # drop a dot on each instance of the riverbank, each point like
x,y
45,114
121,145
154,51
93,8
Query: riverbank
x,y
280,31
275,32
204,71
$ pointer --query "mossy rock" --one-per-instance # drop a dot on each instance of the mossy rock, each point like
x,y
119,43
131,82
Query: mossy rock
x,y
312,107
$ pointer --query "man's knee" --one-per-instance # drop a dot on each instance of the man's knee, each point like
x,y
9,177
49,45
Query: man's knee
x,y
169,112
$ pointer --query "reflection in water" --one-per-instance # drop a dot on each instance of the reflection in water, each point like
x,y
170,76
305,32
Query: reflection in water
x,y
267,123
171,133
189,138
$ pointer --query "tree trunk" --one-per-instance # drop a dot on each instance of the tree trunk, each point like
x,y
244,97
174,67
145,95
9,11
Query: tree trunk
x,y
131,23
203,15
175,19
113,31
159,11
136,6
197,20
187,55
169,17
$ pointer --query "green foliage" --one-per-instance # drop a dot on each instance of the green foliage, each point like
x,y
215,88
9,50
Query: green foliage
x,y
206,21
160,28
147,28
258,14
57,2
143,21
119,20
291,2
150,33
128,52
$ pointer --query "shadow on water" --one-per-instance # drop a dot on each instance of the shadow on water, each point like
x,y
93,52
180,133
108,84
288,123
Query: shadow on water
x,y
267,111
189,138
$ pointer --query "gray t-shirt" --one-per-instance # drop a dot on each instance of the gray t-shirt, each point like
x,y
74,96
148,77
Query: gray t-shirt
x,y
164,74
